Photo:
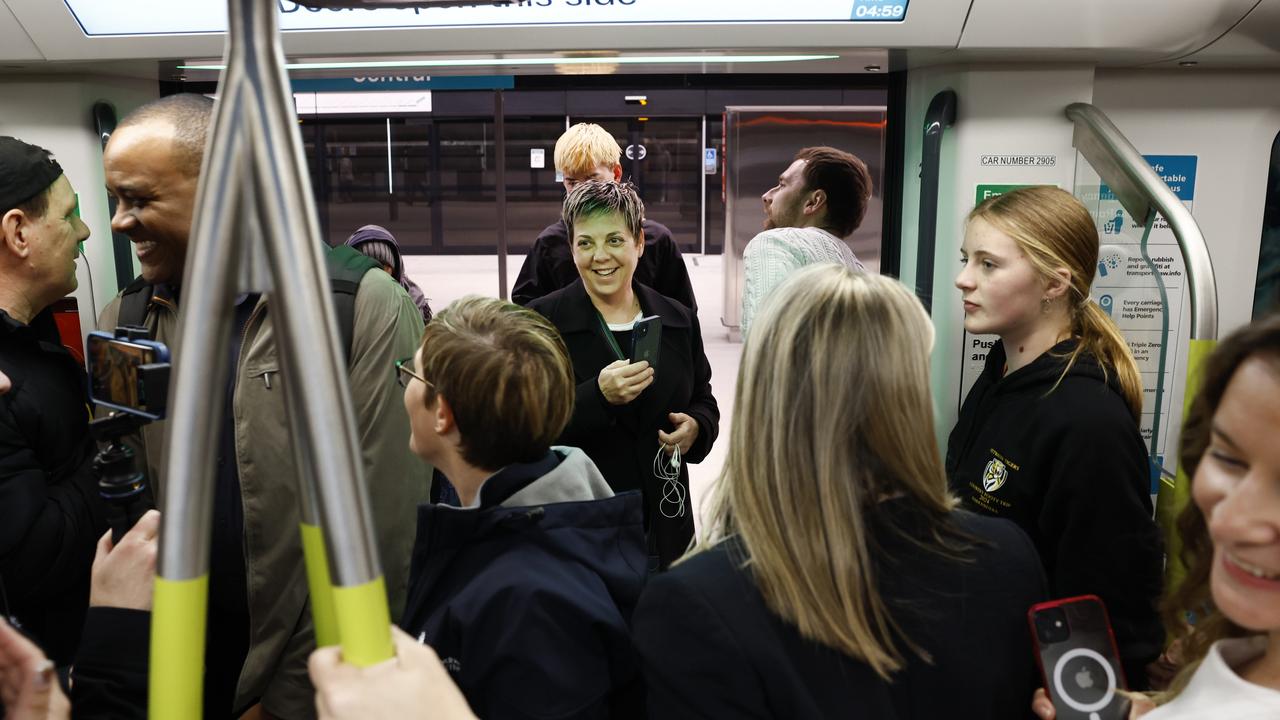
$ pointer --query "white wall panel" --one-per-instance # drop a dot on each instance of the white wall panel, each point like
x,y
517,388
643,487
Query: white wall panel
x,y
57,117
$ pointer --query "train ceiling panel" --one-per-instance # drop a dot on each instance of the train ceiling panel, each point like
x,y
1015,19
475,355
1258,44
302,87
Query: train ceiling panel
x,y
192,28
1132,31
14,43
1253,42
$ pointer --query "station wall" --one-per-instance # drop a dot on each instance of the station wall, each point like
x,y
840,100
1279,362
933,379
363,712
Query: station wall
x,y
55,112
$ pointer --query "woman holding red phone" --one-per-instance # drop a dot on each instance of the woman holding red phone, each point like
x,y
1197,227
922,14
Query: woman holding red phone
x,y
639,423
1231,541
1048,436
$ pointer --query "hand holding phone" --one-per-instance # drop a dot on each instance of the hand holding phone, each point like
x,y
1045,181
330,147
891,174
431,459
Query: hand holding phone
x,y
1078,659
646,340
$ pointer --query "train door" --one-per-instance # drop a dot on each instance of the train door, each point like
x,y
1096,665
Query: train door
x,y
663,156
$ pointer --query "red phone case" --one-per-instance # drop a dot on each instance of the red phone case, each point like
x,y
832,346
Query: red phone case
x,y
1090,645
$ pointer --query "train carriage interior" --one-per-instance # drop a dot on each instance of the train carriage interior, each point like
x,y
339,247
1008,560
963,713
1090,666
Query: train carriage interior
x,y
438,121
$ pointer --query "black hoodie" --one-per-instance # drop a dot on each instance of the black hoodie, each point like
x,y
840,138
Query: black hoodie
x,y
1069,466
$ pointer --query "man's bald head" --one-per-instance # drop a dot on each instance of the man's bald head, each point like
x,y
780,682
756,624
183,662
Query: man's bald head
x,y
188,116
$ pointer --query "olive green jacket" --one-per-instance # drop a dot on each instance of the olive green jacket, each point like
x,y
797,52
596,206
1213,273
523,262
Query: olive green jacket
x,y
387,327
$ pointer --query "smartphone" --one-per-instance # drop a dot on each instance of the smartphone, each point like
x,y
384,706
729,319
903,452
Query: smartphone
x,y
128,375
1076,651
646,340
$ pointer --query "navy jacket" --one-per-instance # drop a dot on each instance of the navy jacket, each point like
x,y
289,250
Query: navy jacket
x,y
712,648
549,266
1068,465
623,440
51,515
527,598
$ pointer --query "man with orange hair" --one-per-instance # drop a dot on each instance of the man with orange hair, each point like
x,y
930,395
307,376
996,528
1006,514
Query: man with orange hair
x,y
585,152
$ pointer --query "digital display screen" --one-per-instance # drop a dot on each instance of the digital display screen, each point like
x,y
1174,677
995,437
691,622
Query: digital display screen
x,y
165,17
113,371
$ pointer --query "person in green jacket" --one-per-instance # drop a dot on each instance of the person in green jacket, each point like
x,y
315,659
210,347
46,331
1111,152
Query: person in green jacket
x,y
260,629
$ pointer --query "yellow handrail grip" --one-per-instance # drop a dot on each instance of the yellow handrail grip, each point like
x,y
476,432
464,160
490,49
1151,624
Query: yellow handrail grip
x,y
176,685
317,562
364,622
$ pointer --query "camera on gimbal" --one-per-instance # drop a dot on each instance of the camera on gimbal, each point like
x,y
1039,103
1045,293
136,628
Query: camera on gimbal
x,y
128,373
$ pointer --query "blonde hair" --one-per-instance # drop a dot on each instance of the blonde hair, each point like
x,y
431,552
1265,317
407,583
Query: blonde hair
x,y
506,373
585,147
832,415
1055,230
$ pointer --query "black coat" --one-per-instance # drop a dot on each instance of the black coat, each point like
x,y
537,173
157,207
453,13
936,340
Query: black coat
x,y
527,599
109,678
549,266
1069,466
623,440
51,515
712,648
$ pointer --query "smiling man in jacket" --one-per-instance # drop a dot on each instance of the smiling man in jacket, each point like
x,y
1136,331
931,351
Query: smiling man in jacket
x,y
260,630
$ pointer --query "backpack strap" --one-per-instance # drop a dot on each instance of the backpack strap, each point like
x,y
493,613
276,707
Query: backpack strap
x,y
135,301
346,267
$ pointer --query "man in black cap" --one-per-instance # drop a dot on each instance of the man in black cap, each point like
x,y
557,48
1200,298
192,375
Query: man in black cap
x,y
50,513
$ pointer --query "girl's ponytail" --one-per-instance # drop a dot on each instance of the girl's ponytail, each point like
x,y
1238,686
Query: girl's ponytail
x,y
1099,335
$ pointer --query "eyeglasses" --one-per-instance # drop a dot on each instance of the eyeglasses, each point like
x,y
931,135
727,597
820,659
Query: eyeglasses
x,y
404,372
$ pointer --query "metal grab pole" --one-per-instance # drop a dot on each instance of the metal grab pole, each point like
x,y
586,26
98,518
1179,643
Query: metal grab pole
x,y
1141,191
500,135
255,145
309,348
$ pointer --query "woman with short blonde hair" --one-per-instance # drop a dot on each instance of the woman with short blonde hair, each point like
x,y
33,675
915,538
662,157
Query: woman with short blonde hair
x,y
835,574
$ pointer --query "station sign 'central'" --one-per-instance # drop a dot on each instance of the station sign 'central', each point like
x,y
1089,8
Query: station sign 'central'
x,y
165,17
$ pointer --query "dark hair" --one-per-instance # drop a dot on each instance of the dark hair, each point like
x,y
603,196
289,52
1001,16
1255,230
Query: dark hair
x,y
506,374
37,206
1259,339
190,115
597,197
846,181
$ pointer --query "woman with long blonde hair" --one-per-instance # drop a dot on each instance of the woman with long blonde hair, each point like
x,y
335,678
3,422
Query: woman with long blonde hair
x,y
1048,436
835,579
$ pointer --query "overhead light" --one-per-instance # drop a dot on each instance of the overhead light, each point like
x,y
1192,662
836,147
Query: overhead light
x,y
536,61
595,68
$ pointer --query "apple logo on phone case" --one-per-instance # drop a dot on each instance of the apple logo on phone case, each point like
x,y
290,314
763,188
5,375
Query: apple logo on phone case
x,y
1085,682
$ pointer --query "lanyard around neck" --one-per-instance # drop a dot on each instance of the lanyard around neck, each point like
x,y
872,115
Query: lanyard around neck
x,y
608,336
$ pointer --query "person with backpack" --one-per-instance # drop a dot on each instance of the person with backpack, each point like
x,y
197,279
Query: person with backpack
x,y
378,243
259,627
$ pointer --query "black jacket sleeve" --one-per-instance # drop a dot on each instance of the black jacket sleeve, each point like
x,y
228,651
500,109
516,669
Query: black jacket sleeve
x,y
693,665
1098,509
534,279
48,531
671,277
109,678
702,404
591,412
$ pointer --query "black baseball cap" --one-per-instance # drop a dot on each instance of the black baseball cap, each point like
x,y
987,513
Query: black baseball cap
x,y
25,171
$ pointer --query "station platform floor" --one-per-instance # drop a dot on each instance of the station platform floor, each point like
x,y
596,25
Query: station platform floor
x,y
445,278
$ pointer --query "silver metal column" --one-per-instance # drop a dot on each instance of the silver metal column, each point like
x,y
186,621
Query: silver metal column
x,y
254,167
